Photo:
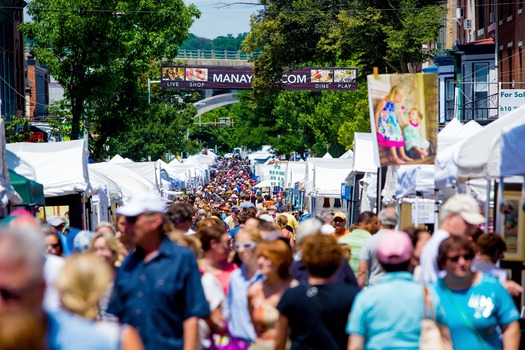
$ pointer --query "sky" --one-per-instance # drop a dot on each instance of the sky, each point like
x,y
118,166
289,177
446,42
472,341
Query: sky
x,y
217,19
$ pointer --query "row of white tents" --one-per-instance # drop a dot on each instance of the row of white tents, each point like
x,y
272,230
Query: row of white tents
x,y
62,168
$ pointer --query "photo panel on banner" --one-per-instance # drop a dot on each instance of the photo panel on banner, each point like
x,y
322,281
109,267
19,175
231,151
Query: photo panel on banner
x,y
404,116
512,227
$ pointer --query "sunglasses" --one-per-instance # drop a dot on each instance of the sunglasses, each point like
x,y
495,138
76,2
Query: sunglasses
x,y
133,219
245,246
54,246
338,220
466,257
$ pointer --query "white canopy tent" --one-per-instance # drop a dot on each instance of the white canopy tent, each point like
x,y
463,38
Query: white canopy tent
x,y
448,135
446,160
295,172
61,167
324,176
480,155
129,182
148,170
118,159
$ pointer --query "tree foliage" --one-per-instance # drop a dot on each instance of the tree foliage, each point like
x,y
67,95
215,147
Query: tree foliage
x,y
298,33
17,129
100,51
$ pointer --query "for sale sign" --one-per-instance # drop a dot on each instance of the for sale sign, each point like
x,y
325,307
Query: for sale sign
x,y
510,99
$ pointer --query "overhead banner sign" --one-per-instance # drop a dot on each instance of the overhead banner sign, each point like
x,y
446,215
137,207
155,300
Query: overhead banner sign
x,y
238,78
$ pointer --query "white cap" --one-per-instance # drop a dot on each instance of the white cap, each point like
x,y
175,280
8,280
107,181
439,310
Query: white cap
x,y
141,203
464,206
55,220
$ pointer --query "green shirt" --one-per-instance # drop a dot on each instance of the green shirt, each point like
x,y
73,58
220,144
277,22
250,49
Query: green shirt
x,y
355,240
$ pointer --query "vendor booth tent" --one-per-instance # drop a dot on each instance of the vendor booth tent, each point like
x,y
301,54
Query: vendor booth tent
x,y
61,167
129,182
31,192
480,155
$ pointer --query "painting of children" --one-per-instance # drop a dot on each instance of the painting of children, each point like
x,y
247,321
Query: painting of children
x,y
415,142
404,135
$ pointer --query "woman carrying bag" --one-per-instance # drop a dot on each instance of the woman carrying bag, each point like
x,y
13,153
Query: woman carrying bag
x,y
480,313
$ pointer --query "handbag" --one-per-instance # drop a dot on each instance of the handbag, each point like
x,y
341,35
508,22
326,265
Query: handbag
x,y
430,337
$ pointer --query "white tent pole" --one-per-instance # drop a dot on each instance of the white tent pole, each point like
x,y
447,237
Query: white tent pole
x,y
416,222
487,205
501,188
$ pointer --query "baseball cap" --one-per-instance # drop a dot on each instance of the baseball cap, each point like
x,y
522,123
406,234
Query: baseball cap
x,y
464,206
141,203
394,247
55,220
340,215
235,209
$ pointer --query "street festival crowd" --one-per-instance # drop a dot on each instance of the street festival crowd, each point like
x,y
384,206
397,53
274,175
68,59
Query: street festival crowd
x,y
230,266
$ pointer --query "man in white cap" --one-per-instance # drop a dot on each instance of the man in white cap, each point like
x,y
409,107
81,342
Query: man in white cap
x,y
58,224
459,216
158,288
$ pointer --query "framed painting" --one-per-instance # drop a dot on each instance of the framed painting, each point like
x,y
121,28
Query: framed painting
x,y
512,227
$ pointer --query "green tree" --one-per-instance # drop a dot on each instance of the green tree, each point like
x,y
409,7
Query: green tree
x,y
17,129
100,51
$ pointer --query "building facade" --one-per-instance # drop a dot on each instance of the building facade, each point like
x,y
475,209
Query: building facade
x,y
483,56
11,59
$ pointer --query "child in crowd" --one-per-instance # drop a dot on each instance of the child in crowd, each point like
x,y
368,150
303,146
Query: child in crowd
x,y
389,133
413,134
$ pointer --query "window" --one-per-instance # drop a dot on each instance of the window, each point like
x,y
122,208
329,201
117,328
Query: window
x,y
509,54
520,79
481,14
449,99
481,90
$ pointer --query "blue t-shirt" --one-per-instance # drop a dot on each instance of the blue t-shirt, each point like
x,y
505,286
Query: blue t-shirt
x,y
389,313
69,332
486,304
239,322
156,297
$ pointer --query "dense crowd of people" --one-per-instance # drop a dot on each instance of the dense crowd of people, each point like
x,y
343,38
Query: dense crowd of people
x,y
230,266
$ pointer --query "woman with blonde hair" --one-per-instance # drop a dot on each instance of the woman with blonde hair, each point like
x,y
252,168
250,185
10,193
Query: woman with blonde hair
x,y
286,230
105,246
81,283
240,325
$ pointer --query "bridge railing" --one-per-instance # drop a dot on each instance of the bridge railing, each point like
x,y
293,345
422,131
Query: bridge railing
x,y
215,54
